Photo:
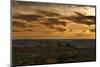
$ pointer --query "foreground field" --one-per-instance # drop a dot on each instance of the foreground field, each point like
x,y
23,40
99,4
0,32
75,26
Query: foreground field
x,y
52,53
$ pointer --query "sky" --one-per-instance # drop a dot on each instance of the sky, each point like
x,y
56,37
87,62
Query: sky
x,y
34,20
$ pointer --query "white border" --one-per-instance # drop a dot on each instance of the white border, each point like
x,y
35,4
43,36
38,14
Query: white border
x,y
86,2
5,33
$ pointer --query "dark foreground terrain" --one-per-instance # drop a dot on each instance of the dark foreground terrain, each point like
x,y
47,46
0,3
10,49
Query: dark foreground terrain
x,y
36,52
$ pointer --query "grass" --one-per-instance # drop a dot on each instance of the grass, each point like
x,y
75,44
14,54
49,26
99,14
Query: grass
x,y
46,54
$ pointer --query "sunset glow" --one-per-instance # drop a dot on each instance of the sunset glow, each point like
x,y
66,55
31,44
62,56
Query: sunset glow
x,y
52,21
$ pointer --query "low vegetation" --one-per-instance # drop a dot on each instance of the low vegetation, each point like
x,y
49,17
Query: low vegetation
x,y
52,53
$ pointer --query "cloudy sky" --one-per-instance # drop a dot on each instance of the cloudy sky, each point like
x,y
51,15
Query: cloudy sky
x,y
33,20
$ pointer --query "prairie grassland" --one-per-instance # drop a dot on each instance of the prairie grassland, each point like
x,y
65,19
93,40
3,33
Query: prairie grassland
x,y
52,53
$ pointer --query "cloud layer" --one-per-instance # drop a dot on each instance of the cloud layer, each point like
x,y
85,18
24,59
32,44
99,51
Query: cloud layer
x,y
52,20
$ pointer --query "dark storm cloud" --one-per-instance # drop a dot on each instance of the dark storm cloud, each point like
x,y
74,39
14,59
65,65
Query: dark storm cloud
x,y
30,30
48,13
51,26
20,24
28,17
85,18
15,30
93,18
80,18
92,30
60,29
51,22
55,21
